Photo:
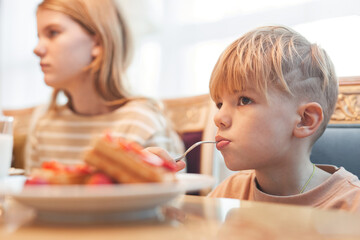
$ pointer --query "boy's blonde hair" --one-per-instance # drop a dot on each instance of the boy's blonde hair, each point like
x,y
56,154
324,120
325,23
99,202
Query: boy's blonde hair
x,y
277,56
101,18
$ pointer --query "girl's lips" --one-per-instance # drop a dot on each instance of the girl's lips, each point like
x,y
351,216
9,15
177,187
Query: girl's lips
x,y
222,144
44,67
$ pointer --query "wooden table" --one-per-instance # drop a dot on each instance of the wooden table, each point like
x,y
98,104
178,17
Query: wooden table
x,y
193,217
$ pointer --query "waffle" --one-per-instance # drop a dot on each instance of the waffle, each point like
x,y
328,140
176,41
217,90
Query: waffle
x,y
125,162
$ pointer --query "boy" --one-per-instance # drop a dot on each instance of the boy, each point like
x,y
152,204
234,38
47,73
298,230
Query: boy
x,y
276,92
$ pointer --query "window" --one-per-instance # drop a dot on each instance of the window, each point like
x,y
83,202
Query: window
x,y
177,43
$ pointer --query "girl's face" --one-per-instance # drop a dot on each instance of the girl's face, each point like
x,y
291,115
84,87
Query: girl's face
x,y
65,48
255,132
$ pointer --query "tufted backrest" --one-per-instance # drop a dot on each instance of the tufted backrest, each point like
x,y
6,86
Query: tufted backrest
x,y
192,118
340,143
339,146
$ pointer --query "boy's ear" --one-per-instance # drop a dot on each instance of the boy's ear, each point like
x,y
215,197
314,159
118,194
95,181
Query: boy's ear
x,y
311,117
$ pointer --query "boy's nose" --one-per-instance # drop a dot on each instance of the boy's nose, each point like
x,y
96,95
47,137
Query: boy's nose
x,y
222,119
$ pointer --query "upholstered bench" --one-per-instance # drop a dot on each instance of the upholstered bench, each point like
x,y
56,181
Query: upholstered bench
x,y
340,146
340,143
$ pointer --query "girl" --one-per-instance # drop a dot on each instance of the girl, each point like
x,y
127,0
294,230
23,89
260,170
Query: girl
x,y
84,49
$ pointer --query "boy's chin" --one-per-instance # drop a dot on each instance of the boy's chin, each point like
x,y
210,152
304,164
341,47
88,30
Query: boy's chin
x,y
235,164
231,165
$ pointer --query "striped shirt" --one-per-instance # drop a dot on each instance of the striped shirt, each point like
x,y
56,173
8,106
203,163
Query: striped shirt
x,y
64,136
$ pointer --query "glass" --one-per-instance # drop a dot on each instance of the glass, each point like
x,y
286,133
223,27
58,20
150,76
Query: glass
x,y
6,145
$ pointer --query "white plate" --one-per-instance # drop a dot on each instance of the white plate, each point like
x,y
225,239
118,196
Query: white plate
x,y
77,199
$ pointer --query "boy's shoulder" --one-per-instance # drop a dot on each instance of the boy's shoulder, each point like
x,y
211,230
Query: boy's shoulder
x,y
241,178
239,185
241,175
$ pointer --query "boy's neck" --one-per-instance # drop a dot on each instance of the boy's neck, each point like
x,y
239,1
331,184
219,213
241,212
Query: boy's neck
x,y
289,180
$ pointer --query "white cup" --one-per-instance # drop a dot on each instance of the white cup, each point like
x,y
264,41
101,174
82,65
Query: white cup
x,y
6,145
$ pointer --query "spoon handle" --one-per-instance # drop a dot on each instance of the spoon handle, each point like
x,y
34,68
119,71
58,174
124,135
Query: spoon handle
x,y
191,148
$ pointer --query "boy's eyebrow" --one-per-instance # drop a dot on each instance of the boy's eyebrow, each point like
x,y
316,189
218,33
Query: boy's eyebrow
x,y
247,90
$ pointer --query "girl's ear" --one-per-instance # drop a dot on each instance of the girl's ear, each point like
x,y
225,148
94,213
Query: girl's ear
x,y
96,51
97,48
311,117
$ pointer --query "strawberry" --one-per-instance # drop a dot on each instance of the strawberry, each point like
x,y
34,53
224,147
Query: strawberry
x,y
84,169
99,178
123,144
135,147
108,137
53,165
36,181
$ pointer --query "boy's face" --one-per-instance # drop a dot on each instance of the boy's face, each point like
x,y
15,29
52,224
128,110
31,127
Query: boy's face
x,y
255,132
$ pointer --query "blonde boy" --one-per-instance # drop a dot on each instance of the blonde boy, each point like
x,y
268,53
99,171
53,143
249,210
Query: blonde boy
x,y
276,92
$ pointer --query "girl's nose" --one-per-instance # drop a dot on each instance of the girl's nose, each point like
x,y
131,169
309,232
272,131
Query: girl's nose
x,y
40,50
222,119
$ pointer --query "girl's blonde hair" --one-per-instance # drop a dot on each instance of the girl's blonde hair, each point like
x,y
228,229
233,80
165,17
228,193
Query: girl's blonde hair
x,y
277,56
101,18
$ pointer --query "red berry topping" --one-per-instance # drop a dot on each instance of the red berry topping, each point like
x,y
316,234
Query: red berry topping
x,y
108,136
99,178
36,181
53,165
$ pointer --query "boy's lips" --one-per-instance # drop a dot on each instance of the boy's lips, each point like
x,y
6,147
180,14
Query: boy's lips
x,y
222,142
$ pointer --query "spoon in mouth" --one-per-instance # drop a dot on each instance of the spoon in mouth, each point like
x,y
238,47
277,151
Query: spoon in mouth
x,y
191,148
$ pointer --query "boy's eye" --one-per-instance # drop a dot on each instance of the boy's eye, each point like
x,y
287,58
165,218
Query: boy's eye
x,y
218,105
244,101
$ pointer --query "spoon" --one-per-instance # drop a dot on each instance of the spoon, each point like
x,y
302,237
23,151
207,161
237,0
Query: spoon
x,y
191,148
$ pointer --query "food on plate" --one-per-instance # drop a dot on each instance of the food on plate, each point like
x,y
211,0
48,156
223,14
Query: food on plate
x,y
56,173
111,160
125,162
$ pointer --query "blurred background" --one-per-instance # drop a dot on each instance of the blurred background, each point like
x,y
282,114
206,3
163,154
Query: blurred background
x,y
177,42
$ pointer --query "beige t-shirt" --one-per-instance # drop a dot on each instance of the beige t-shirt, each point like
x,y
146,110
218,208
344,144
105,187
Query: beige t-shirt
x,y
340,191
